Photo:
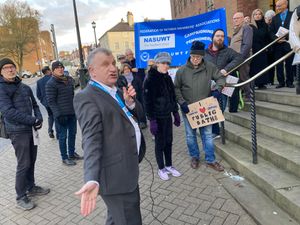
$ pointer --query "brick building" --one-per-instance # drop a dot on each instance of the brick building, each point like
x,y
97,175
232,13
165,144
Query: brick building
x,y
41,55
186,8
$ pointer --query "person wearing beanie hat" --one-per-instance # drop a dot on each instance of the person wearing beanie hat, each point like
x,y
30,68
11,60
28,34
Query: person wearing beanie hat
x,y
197,48
6,61
57,64
59,95
41,95
21,114
160,104
8,67
192,84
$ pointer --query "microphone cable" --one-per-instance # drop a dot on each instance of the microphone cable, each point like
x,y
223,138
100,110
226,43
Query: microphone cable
x,y
150,190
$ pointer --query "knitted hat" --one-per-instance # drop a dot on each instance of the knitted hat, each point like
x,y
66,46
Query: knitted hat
x,y
197,48
5,61
56,64
45,69
162,57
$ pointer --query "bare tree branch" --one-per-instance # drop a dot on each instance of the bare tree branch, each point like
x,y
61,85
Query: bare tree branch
x,y
19,30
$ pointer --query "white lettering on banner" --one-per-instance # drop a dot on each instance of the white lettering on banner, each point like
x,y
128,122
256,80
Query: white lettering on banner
x,y
157,42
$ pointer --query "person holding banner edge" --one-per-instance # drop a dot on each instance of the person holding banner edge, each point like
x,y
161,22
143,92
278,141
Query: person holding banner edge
x,y
192,84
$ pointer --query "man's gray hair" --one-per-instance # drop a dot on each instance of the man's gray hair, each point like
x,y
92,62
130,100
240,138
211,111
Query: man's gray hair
x,y
92,54
270,14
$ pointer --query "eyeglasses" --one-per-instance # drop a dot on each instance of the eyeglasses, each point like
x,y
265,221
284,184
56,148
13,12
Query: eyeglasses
x,y
8,67
165,63
196,57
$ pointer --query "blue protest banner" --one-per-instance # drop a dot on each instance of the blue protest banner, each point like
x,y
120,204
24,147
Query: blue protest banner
x,y
175,36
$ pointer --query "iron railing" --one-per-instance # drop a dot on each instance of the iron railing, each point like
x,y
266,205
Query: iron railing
x,y
252,95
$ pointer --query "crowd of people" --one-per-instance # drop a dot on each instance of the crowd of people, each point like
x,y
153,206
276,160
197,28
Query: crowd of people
x,y
115,105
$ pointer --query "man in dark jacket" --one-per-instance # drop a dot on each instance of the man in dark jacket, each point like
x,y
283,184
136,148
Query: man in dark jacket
x,y
225,59
282,47
21,114
192,84
41,95
60,94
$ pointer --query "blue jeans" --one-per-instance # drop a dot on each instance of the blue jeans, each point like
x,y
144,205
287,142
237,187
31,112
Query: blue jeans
x,y
67,131
207,141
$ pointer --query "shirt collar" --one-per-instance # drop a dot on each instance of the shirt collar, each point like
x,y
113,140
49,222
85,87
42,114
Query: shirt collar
x,y
111,90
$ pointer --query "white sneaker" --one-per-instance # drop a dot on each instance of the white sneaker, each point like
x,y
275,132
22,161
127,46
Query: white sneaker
x,y
173,171
163,174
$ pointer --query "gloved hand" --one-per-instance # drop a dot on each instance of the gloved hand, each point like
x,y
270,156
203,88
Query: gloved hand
x,y
153,127
38,124
176,119
62,120
216,94
184,107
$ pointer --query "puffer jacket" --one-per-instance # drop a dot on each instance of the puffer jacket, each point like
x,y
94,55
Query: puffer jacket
x,y
60,96
159,95
194,84
18,106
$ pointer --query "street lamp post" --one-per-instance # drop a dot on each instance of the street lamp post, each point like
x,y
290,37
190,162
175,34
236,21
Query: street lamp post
x,y
94,27
81,69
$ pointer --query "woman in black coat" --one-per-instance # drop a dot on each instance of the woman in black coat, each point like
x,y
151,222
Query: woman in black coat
x,y
160,104
260,39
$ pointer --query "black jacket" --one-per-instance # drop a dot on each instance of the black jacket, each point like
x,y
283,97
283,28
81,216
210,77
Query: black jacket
x,y
41,89
18,106
225,58
60,96
276,23
159,95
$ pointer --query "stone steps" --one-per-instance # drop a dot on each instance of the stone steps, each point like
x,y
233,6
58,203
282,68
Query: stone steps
x,y
280,154
276,129
285,113
282,187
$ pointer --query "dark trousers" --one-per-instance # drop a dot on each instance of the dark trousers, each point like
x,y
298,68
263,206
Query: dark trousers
x,y
67,131
123,209
163,142
278,53
26,153
50,120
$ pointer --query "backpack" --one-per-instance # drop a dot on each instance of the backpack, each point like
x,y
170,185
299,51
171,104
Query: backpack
x,y
3,133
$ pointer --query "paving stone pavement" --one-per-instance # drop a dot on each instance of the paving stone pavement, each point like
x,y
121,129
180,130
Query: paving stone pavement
x,y
194,198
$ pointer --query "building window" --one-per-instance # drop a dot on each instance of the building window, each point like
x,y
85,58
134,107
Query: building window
x,y
126,45
117,46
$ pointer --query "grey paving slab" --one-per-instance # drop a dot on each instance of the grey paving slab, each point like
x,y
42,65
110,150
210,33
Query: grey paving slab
x,y
194,198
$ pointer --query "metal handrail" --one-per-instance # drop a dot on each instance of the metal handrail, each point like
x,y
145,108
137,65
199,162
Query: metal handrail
x,y
252,56
252,101
261,72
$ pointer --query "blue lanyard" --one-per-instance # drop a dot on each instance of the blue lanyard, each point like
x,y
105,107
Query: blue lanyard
x,y
119,100
283,16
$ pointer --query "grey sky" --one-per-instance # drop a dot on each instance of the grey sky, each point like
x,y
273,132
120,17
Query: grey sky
x,y
106,14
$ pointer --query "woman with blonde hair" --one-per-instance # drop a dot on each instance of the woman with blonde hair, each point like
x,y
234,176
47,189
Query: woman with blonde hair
x,y
260,39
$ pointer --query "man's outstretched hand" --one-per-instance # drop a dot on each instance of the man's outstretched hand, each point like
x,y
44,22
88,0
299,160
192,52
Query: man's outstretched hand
x,y
88,193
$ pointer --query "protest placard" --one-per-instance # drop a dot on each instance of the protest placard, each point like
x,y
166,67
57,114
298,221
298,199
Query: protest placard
x,y
204,113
